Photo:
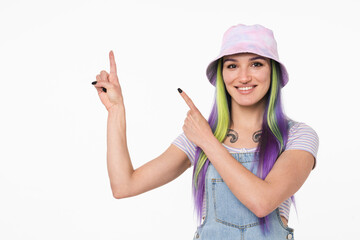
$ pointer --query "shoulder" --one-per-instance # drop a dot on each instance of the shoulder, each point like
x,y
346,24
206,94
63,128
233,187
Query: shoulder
x,y
182,142
182,139
298,129
302,136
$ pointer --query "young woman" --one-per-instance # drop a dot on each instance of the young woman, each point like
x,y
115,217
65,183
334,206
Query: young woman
x,y
248,158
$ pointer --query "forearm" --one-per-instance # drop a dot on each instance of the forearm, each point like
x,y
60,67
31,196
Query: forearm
x,y
119,164
251,190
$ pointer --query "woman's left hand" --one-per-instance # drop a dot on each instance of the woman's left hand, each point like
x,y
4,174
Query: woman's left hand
x,y
196,128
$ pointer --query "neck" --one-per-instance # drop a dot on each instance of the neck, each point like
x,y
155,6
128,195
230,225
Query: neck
x,y
247,117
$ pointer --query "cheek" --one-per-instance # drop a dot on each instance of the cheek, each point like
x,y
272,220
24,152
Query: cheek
x,y
266,83
264,77
227,77
227,80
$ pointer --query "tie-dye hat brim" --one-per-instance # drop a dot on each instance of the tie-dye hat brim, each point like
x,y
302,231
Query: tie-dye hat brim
x,y
248,39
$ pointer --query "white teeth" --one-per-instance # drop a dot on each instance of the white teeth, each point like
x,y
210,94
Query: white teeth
x,y
245,88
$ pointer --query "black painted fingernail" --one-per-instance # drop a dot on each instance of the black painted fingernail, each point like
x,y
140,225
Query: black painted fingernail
x,y
179,89
94,82
104,89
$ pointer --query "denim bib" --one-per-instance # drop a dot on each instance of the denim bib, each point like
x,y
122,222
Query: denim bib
x,y
227,218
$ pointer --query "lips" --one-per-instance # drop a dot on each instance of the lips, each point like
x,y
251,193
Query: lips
x,y
245,89
248,86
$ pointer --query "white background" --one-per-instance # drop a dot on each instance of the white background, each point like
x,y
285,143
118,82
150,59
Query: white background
x,y
53,176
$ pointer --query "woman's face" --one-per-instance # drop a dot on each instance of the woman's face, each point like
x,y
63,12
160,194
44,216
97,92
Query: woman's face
x,y
246,77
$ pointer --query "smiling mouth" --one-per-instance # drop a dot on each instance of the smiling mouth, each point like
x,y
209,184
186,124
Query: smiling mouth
x,y
245,88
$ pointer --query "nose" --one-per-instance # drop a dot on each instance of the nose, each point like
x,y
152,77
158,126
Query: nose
x,y
244,76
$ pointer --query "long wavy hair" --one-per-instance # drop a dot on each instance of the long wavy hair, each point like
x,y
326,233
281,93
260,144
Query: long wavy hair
x,y
272,141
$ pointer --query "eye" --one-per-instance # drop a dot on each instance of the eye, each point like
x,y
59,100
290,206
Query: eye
x,y
257,64
231,66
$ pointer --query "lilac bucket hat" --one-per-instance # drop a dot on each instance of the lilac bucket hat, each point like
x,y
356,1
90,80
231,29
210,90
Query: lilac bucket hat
x,y
247,39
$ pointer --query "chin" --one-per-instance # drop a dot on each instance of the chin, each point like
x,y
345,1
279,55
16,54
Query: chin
x,y
248,102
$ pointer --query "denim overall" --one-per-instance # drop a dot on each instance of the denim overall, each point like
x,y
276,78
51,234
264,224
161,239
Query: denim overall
x,y
227,218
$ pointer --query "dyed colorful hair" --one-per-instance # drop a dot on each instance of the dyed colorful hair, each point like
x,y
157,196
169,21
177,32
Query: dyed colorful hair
x,y
272,142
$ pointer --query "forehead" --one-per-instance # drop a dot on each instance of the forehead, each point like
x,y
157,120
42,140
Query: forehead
x,y
245,56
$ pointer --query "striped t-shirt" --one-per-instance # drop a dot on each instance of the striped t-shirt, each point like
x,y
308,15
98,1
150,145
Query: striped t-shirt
x,y
301,136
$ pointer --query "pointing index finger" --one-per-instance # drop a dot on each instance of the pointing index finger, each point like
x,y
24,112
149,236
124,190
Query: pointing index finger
x,y
112,62
188,101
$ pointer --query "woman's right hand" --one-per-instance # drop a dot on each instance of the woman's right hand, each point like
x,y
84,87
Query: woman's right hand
x,y
110,96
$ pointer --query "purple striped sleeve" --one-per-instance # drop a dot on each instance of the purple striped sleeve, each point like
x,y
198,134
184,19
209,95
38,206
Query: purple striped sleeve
x,y
186,145
284,208
303,137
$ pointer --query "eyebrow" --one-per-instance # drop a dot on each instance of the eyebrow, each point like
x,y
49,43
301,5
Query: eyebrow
x,y
229,59
257,57
251,59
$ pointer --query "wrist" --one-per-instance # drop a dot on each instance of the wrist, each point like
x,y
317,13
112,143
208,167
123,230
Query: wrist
x,y
116,114
116,108
209,142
